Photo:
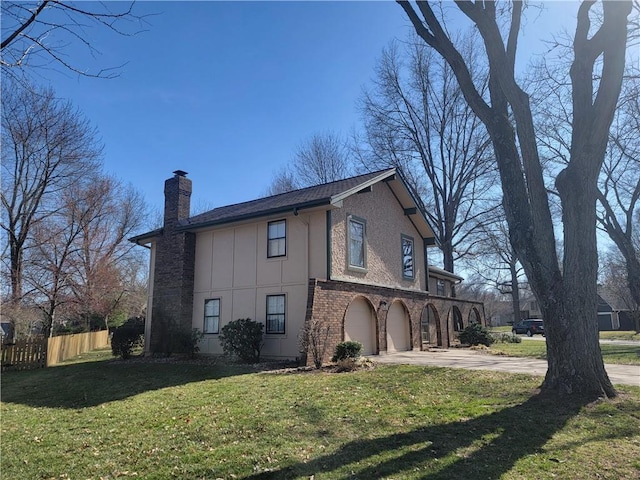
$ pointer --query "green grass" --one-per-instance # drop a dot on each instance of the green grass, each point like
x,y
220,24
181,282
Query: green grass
x,y
614,335
104,420
620,335
611,353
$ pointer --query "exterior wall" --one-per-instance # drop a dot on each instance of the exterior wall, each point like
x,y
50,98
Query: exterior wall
x,y
385,223
232,265
328,301
149,311
433,288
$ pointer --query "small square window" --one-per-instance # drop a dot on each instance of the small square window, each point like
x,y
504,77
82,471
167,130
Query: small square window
x,y
212,316
275,313
440,287
277,239
407,257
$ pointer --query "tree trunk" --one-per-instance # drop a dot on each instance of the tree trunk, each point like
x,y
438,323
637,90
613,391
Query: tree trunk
x,y
573,352
16,273
573,348
515,292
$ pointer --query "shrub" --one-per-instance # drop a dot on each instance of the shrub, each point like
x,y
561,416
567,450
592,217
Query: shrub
x,y
242,338
124,340
313,340
347,365
504,337
185,341
348,349
476,334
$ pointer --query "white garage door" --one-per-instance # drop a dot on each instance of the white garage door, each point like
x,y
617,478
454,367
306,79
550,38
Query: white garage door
x,y
397,329
359,325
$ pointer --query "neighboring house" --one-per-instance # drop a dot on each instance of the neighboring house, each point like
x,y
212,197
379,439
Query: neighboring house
x,y
530,309
609,316
6,332
351,254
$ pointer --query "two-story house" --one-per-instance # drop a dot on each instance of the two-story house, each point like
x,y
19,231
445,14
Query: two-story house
x,y
350,253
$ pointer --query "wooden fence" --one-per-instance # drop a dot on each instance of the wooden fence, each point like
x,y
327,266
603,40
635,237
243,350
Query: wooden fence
x,y
41,352
25,354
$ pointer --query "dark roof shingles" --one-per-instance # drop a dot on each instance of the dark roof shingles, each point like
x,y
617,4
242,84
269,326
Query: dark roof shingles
x,y
289,200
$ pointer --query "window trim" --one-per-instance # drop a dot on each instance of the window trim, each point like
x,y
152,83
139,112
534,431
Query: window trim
x,y
284,315
363,222
282,220
204,319
404,238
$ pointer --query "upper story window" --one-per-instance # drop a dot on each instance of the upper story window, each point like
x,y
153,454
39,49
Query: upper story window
x,y
275,313
277,239
211,316
407,257
357,242
440,287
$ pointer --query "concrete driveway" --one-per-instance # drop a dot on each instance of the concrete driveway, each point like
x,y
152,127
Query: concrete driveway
x,y
475,360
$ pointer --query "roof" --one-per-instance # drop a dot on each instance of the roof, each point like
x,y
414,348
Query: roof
x,y
326,194
439,272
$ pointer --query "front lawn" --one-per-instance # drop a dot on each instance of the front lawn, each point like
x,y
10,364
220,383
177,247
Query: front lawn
x,y
611,353
110,419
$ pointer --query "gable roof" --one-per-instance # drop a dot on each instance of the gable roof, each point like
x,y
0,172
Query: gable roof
x,y
326,194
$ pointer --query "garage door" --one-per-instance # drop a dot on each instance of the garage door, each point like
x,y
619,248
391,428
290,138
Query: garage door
x,y
359,325
397,329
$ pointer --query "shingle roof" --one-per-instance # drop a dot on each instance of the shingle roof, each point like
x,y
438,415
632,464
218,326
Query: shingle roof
x,y
303,198
325,194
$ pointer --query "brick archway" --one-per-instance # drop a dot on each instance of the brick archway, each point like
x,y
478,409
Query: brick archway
x,y
431,325
360,324
474,316
398,329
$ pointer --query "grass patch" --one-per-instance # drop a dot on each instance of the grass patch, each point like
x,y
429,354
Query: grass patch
x,y
112,419
613,335
621,335
620,354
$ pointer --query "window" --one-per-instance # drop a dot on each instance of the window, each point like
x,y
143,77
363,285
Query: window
x,y
212,315
440,287
275,313
357,243
277,239
407,257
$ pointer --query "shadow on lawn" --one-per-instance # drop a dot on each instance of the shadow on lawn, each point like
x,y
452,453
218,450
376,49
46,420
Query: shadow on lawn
x,y
93,383
483,447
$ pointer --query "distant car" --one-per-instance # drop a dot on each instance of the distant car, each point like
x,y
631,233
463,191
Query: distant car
x,y
530,327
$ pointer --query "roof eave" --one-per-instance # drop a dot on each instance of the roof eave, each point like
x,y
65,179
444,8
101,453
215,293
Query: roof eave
x,y
251,216
145,238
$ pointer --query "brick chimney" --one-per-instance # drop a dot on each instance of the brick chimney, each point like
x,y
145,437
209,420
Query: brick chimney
x,y
177,198
173,278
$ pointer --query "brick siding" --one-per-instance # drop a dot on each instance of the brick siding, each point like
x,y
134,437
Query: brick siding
x,y
328,301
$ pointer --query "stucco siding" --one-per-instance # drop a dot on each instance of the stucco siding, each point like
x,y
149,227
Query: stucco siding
x,y
385,225
318,244
232,265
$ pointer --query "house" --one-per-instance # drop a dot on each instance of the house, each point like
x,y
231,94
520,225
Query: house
x,y
351,254
530,308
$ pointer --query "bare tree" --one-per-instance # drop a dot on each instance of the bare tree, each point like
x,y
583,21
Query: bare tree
x,y
47,146
322,158
49,276
36,34
103,253
494,261
567,294
283,181
619,194
416,118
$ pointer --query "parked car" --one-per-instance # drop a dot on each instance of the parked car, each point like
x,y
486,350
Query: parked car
x,y
530,327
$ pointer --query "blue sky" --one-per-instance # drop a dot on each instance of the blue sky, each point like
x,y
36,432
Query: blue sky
x,y
227,90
